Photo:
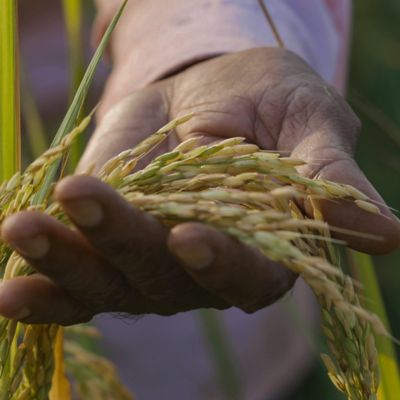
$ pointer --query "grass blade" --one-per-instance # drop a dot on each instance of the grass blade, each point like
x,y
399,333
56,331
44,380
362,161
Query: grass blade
x,y
10,132
10,127
73,17
390,377
74,110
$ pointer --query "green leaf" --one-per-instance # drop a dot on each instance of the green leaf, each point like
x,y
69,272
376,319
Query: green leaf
x,y
390,378
74,110
73,18
10,134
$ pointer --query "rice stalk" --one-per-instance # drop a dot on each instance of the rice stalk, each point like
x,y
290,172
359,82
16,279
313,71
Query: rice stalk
x,y
252,195
10,133
28,357
370,284
363,268
29,371
234,187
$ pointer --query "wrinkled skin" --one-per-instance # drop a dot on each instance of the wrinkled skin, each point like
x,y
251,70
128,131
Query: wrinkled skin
x,y
119,259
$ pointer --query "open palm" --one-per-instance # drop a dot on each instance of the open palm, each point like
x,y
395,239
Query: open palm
x,y
120,259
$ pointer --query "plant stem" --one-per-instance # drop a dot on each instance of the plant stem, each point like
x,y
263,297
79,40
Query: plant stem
x,y
272,25
10,131
10,126
34,127
73,17
363,267
217,339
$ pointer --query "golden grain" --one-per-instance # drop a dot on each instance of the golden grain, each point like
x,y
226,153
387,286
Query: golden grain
x,y
231,186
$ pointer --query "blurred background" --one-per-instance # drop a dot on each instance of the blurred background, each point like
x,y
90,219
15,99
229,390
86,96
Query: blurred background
x,y
374,94
374,84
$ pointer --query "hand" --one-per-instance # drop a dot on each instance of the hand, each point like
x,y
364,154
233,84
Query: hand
x,y
119,259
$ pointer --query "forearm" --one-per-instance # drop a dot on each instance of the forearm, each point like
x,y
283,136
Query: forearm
x,y
157,37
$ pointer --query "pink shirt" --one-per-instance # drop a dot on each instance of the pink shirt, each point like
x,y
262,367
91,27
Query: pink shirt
x,y
167,357
166,34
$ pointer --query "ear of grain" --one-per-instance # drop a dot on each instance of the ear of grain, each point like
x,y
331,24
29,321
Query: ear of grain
x,y
27,361
262,215
346,324
390,388
236,188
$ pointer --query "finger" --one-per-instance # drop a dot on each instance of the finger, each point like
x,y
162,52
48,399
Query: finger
x,y
63,255
36,299
239,274
132,241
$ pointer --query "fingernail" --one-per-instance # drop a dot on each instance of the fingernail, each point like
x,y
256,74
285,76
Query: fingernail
x,y
34,247
85,212
197,256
